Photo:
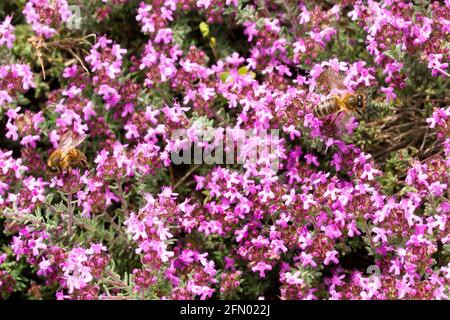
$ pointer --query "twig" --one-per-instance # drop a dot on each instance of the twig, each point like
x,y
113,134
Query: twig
x,y
424,139
292,18
432,156
186,176
388,150
172,177
122,198
39,55
70,212
113,224
79,60
442,71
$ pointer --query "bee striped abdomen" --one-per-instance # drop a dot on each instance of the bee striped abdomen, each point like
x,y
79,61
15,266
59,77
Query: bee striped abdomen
x,y
326,107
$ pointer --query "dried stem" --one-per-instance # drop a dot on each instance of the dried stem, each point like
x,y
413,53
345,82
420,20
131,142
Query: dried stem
x,y
186,176
442,71
113,223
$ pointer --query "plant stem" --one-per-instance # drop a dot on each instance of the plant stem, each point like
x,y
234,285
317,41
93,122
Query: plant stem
x,y
185,176
442,71
70,212
369,235
122,198
114,224
172,177
294,23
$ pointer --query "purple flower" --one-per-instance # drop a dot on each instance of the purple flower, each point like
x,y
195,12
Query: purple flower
x,y
262,267
7,36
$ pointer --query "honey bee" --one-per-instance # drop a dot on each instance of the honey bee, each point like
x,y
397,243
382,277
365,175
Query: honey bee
x,y
67,155
346,102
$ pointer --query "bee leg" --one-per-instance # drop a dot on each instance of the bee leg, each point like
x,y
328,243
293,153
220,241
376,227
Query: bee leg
x,y
80,163
84,162
65,164
335,118
53,171
363,116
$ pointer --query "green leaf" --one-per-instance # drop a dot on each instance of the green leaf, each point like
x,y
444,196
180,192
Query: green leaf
x,y
204,29
212,42
224,76
243,70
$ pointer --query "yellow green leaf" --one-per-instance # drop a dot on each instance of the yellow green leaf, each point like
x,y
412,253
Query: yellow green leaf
x,y
204,29
212,42
224,76
243,70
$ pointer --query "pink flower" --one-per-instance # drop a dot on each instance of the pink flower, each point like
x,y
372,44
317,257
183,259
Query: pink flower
x,y
262,267
70,72
434,63
40,14
293,278
106,56
203,3
250,30
437,189
307,259
380,235
164,36
390,94
312,159
44,268
369,172
7,36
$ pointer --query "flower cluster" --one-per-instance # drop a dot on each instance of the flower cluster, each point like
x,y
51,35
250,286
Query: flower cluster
x,y
348,205
395,29
46,17
15,79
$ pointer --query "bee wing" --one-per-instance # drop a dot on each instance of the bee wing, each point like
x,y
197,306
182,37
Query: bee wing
x,y
79,140
65,142
335,79
330,79
344,121
368,91
68,142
